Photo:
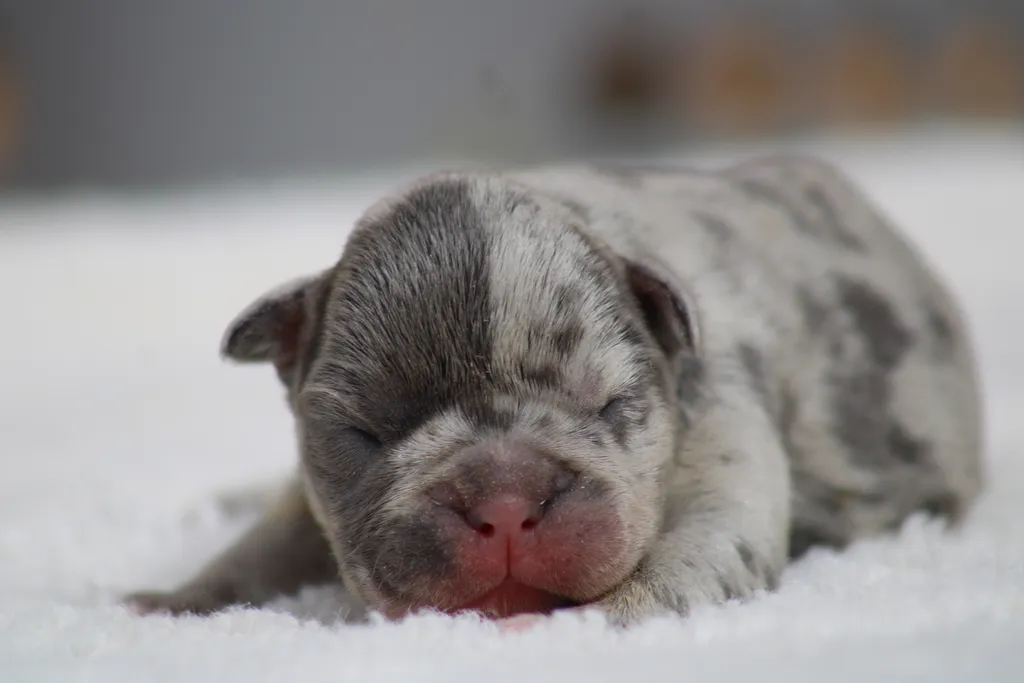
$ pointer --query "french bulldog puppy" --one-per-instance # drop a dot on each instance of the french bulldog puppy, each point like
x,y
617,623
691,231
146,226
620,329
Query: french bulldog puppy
x,y
632,389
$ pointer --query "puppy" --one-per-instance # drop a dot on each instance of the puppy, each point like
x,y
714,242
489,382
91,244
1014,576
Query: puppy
x,y
632,389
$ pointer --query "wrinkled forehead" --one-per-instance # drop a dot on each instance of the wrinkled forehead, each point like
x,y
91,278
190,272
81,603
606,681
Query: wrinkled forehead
x,y
465,288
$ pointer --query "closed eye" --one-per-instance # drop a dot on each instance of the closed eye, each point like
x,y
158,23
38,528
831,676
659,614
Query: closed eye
x,y
611,410
365,438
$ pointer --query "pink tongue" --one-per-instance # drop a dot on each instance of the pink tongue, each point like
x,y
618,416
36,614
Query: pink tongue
x,y
511,598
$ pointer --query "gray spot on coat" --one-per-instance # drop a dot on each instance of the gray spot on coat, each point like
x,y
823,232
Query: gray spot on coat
x,y
826,225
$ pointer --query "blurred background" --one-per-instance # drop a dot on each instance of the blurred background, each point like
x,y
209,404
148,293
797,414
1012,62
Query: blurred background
x,y
164,162
151,93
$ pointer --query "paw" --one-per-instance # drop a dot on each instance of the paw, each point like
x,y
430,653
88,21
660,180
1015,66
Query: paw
x,y
199,602
674,592
632,602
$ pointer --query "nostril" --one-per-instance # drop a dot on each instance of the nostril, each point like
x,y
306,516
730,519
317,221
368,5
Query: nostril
x,y
505,515
475,518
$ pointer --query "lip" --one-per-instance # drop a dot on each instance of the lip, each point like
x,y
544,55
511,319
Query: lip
x,y
510,598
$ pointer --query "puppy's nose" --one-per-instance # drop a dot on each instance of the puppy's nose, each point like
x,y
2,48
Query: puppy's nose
x,y
505,516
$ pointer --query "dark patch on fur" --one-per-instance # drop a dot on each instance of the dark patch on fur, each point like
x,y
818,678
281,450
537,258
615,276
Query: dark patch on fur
x,y
643,416
721,231
691,375
623,415
568,299
940,326
566,338
815,313
728,591
690,380
787,417
907,447
753,363
860,413
542,376
828,227
943,506
804,537
769,194
862,388
545,422
942,333
863,423
830,220
631,335
748,558
884,334
819,515
589,488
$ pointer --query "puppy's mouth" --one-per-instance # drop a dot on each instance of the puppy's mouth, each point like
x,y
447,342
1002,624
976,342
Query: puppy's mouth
x,y
512,597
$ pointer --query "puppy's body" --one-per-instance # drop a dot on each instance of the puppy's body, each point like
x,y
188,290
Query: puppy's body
x,y
641,390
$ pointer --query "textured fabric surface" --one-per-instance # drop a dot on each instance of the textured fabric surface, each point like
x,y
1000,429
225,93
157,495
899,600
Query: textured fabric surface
x,y
120,427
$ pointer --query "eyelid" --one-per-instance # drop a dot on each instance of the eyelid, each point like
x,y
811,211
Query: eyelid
x,y
326,409
612,403
317,401
363,433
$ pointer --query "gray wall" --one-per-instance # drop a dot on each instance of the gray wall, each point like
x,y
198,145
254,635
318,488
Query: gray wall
x,y
140,91
151,91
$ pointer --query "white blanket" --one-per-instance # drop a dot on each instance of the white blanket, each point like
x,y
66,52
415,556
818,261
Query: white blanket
x,y
119,427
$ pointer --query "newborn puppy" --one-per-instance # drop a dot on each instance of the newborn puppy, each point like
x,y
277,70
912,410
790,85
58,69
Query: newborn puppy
x,y
639,390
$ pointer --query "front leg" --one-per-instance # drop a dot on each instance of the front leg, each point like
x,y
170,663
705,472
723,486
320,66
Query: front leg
x,y
284,551
727,518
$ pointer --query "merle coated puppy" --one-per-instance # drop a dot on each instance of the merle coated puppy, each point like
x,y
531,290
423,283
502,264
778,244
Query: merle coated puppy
x,y
639,390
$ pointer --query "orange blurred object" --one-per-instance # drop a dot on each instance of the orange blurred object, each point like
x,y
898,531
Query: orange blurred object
x,y
865,78
736,78
980,71
10,109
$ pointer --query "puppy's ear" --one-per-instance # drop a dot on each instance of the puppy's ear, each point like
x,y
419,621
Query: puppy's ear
x,y
277,326
666,306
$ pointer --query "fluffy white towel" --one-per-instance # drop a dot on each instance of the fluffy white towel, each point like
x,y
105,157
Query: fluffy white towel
x,y
119,427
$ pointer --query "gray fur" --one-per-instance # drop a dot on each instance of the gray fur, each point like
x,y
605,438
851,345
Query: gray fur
x,y
701,374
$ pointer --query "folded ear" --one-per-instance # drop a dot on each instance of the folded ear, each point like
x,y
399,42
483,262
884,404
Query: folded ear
x,y
277,326
668,309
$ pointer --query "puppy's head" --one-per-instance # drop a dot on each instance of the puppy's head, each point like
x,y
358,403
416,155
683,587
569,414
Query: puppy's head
x,y
485,398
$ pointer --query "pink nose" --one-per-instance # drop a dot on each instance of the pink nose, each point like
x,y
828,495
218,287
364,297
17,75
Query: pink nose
x,y
505,515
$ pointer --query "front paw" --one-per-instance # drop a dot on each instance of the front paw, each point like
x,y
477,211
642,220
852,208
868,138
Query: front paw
x,y
676,590
633,602
200,601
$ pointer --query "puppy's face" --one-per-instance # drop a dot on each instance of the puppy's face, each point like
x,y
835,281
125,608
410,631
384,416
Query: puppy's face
x,y
484,397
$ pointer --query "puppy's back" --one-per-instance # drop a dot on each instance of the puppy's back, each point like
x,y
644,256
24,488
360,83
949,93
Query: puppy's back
x,y
813,300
